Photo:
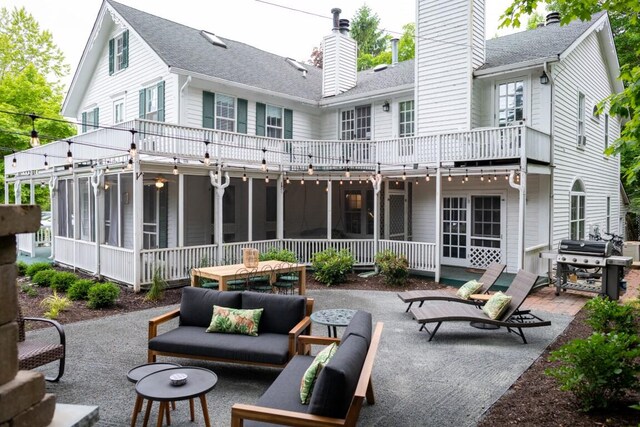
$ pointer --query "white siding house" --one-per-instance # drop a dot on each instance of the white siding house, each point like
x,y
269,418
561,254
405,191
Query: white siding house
x,y
460,157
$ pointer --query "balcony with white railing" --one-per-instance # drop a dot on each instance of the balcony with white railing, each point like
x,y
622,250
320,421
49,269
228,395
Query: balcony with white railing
x,y
167,140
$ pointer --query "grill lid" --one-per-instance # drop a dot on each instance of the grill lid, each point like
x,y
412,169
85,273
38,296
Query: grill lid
x,y
585,247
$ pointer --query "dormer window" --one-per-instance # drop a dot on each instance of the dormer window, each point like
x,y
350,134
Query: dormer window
x,y
119,52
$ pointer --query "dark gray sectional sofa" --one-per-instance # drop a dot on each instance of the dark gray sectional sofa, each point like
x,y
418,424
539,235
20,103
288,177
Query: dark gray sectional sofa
x,y
284,318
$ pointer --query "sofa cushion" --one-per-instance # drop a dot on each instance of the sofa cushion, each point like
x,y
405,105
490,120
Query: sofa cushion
x,y
193,340
235,320
360,325
197,304
284,392
337,381
281,312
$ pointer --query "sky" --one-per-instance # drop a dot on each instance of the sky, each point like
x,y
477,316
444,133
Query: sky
x,y
259,23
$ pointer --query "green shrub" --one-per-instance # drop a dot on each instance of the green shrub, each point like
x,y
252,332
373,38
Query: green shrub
x,y
54,305
22,268
29,289
103,295
598,370
63,280
158,285
394,268
43,278
605,316
276,254
79,290
38,266
331,266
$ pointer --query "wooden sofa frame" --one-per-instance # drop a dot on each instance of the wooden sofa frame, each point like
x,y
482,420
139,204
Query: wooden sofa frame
x,y
364,390
303,325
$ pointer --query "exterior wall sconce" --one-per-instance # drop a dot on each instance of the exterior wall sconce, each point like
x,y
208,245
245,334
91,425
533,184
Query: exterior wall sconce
x,y
544,79
385,106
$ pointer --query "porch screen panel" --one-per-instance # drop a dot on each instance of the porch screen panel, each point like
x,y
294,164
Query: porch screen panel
x,y
396,214
111,211
62,209
485,231
87,209
149,218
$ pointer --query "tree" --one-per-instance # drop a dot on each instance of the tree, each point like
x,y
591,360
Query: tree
x,y
534,21
28,58
316,57
406,50
364,30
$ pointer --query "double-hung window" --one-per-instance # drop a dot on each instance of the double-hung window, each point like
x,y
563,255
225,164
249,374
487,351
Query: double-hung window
x,y
510,102
577,211
119,52
225,113
274,122
582,139
118,111
355,123
90,119
406,122
152,102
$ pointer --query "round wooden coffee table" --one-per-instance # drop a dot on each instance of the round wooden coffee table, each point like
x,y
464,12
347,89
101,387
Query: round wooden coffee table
x,y
157,387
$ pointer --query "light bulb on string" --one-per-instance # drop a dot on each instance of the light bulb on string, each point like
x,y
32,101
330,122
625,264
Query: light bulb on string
x,y
244,176
207,159
35,141
288,180
133,150
427,178
495,176
93,166
14,162
130,163
466,175
175,166
302,181
310,168
263,166
506,175
69,154
317,181
404,173
46,163
347,174
481,175
266,179
449,177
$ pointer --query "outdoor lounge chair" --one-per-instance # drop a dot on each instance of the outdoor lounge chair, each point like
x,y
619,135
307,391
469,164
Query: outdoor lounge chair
x,y
513,318
488,279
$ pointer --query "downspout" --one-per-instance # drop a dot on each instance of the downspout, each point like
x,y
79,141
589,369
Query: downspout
x,y
180,102
376,180
96,179
522,189
551,163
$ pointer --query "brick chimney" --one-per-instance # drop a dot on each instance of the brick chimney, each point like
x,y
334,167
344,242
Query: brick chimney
x,y
450,44
340,58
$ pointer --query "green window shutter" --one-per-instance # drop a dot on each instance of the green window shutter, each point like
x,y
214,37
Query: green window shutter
x,y
142,104
84,121
242,116
288,124
96,117
163,216
125,49
111,55
208,110
161,101
260,118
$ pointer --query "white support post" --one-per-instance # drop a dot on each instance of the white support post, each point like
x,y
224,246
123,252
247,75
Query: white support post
x,y
6,193
53,189
376,180
120,214
438,248
181,218
96,182
386,210
76,218
280,208
522,189
17,192
32,201
329,208
216,181
250,209
138,224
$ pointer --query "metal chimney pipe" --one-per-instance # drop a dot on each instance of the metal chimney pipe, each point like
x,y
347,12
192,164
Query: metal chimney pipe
x,y
336,18
553,18
394,51
344,26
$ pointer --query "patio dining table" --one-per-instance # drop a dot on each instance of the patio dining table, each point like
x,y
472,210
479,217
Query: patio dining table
x,y
225,273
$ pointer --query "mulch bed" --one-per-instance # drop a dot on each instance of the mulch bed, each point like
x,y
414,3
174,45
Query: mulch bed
x,y
533,400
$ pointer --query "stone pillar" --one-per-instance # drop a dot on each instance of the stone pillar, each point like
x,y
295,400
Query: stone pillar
x,y
23,401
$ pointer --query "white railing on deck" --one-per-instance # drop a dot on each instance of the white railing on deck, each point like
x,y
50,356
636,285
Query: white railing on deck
x,y
232,252
64,250
533,262
304,249
175,263
538,145
116,263
421,256
24,242
43,236
85,255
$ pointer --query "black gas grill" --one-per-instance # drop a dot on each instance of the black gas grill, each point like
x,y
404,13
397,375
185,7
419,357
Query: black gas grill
x,y
587,265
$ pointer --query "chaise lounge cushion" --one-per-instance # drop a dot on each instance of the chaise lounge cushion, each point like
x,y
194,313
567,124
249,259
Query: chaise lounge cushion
x,y
192,340
197,304
360,325
281,312
337,381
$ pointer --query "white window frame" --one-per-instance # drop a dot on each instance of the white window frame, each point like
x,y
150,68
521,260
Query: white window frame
x,y
274,128
118,53
525,96
90,120
118,111
406,118
578,195
228,119
581,124
151,102
352,126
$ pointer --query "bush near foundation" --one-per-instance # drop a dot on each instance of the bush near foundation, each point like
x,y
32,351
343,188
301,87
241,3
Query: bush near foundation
x,y
103,295
43,278
62,280
331,266
36,267
79,290
394,268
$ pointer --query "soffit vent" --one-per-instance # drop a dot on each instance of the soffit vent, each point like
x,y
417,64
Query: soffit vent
x,y
213,39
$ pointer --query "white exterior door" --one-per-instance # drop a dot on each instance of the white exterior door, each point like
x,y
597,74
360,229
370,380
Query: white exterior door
x,y
454,230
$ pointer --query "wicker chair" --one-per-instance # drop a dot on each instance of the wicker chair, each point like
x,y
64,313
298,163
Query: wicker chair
x,y
35,352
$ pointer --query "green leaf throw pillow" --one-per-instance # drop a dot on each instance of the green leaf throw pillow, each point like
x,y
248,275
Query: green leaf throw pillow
x,y
235,321
309,377
469,288
496,305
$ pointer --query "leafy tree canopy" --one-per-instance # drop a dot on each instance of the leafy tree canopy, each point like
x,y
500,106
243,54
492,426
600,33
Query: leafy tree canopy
x,y
364,30
406,50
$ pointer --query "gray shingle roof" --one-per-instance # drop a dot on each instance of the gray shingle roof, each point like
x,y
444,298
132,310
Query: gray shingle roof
x,y
370,81
539,43
185,48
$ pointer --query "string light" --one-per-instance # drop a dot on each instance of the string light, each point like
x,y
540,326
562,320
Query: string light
x,y
107,168
417,182
69,155
427,178
263,166
495,177
350,182
130,164
46,163
449,177
266,179
348,172
35,141
317,181
481,175
207,159
133,150
302,181
404,172
14,162
93,166
288,180
506,175
310,169
175,166
244,176
466,175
